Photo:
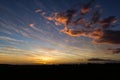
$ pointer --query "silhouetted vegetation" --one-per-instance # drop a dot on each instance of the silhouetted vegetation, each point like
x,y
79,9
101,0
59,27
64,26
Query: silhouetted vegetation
x,y
59,71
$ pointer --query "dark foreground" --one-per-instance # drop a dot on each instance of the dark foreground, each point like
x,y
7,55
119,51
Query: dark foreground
x,y
60,71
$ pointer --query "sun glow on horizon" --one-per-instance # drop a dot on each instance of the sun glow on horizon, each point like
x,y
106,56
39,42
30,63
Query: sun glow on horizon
x,y
44,60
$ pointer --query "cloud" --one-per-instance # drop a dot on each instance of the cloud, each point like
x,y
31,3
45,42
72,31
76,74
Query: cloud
x,y
95,18
47,49
43,13
115,51
38,10
108,21
92,27
80,21
105,36
101,60
65,17
73,17
98,35
4,38
50,18
109,36
70,14
73,32
87,7
32,25
16,51
14,55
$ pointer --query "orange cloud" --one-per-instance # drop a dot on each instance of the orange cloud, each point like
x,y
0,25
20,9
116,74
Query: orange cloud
x,y
92,27
63,18
97,34
72,32
50,18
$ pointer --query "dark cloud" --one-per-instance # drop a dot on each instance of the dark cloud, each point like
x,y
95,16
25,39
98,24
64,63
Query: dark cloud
x,y
80,21
107,22
102,60
109,36
115,51
95,18
69,15
87,7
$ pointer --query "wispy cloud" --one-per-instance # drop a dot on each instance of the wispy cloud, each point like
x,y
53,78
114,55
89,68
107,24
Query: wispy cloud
x,y
40,55
16,51
13,55
115,50
32,25
38,10
9,39
102,60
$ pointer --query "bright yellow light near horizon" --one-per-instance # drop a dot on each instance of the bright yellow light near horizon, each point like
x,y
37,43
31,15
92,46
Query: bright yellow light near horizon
x,y
45,60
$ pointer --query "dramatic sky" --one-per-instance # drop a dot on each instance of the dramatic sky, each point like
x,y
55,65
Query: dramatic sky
x,y
30,33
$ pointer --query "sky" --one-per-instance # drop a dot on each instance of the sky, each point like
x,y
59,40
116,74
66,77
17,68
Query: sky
x,y
59,31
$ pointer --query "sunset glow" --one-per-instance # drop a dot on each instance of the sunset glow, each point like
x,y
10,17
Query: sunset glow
x,y
59,31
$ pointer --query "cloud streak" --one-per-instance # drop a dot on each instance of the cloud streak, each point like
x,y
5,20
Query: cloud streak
x,y
115,51
102,60
4,38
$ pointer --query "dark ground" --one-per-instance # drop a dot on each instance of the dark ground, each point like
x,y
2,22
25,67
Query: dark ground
x,y
43,72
